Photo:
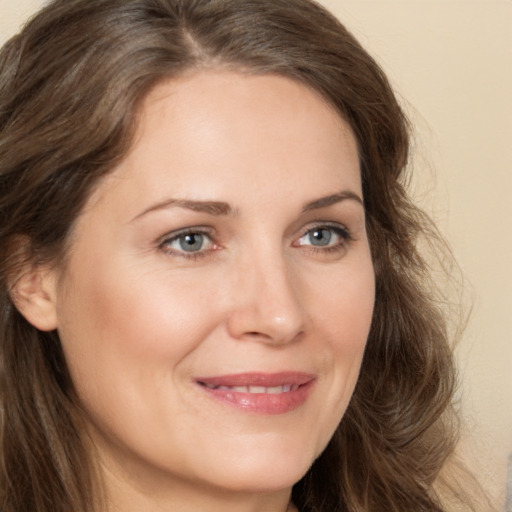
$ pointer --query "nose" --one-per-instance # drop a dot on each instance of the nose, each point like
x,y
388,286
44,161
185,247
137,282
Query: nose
x,y
266,302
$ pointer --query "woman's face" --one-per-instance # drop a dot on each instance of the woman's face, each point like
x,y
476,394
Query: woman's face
x,y
218,293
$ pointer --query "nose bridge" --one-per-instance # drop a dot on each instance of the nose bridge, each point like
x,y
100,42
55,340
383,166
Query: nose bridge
x,y
268,304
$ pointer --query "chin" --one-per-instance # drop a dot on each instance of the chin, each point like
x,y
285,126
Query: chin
x,y
257,473
259,481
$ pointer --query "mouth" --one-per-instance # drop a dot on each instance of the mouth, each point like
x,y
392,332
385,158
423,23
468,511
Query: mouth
x,y
263,393
273,390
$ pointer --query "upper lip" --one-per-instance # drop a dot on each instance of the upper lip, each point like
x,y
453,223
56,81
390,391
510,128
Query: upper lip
x,y
258,379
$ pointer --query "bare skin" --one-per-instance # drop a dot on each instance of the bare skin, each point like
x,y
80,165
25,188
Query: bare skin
x,y
230,241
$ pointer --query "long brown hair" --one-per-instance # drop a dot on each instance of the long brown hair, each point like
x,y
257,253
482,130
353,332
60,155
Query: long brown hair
x,y
70,86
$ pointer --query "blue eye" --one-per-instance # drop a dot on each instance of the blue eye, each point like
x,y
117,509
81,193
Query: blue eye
x,y
320,237
190,242
324,237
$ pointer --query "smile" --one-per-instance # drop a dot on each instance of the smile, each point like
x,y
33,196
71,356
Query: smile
x,y
274,390
261,393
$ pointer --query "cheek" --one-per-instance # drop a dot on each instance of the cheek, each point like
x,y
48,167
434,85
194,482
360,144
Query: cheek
x,y
126,336
345,317
136,311
341,309
122,328
346,309
358,304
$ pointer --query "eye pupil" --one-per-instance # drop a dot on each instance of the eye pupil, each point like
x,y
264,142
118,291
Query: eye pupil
x,y
191,242
320,237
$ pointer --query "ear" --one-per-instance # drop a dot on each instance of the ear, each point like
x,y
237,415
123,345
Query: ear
x,y
34,295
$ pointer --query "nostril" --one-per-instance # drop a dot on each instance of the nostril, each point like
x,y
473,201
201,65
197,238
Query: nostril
x,y
256,334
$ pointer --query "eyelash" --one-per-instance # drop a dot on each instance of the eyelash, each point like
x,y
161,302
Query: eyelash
x,y
173,237
343,233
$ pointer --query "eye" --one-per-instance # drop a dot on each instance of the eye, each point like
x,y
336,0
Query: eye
x,y
188,243
319,237
324,237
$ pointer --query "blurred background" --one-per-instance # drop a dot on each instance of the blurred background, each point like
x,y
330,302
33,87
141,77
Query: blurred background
x,y
450,62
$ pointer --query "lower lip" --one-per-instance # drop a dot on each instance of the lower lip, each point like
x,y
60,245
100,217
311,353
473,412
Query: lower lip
x,y
263,403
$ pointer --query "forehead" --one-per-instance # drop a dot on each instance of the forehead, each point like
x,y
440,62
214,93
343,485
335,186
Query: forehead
x,y
201,98
213,133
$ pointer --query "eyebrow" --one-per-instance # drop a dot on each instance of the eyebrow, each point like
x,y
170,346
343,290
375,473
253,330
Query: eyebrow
x,y
324,202
218,208
209,207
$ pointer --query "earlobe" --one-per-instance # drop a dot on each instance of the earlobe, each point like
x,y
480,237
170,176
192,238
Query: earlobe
x,y
34,295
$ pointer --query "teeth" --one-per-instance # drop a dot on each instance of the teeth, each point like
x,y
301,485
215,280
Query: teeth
x,y
257,389
273,390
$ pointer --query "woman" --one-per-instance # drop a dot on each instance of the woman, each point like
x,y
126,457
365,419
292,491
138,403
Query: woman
x,y
211,293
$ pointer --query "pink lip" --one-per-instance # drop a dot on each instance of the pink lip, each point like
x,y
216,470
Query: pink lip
x,y
297,385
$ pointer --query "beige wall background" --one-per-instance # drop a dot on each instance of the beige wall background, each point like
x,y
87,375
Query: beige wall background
x,y
451,62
